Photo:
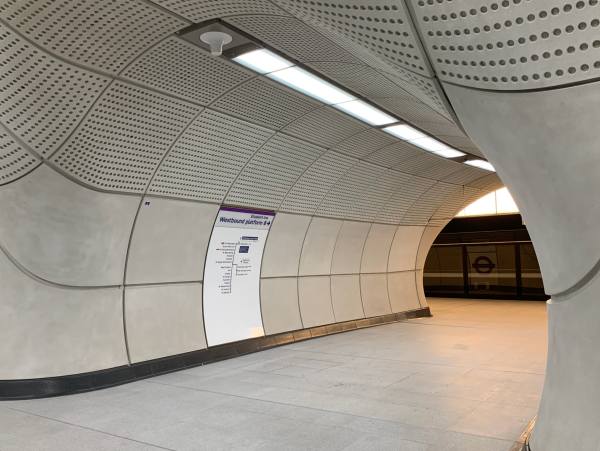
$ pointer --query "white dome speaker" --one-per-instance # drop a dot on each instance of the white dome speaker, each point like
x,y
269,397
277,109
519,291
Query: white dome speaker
x,y
215,40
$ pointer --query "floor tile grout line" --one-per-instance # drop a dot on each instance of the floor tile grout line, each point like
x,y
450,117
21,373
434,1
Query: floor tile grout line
x,y
339,413
87,428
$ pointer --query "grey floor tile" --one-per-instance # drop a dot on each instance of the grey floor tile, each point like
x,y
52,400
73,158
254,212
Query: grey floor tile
x,y
467,379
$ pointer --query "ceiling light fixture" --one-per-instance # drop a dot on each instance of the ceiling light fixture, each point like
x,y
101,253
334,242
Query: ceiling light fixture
x,y
481,164
425,142
404,132
262,61
277,68
303,81
366,113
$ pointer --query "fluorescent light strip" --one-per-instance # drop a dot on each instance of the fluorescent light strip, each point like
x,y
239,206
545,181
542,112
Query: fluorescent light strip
x,y
262,61
481,164
280,69
366,113
425,142
404,132
303,81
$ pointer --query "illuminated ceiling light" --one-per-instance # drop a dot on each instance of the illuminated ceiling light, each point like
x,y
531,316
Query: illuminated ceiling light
x,y
419,139
481,164
311,85
405,132
262,61
366,113
277,68
439,148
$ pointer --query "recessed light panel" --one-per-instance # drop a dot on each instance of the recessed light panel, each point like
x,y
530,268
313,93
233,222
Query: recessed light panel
x,y
481,164
285,72
366,113
405,132
262,61
311,85
420,139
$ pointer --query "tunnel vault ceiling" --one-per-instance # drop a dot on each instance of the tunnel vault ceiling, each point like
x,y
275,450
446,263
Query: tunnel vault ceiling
x,y
119,141
144,111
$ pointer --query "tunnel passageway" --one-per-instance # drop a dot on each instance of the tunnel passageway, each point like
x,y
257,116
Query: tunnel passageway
x,y
469,378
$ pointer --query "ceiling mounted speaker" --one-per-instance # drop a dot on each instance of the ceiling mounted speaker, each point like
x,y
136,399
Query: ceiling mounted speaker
x,y
216,40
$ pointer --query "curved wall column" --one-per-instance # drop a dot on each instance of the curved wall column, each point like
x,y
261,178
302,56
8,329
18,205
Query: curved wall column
x,y
545,147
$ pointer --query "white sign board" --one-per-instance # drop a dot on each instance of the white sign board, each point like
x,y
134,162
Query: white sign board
x,y
232,275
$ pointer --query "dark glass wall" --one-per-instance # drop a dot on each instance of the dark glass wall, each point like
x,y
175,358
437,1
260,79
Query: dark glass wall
x,y
483,263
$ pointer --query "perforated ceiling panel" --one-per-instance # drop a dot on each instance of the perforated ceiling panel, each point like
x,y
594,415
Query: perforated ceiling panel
x,y
42,100
293,37
121,141
264,102
364,143
14,160
411,111
405,196
422,88
178,67
371,200
426,205
381,26
342,200
362,79
102,34
272,171
325,127
454,204
310,189
465,175
487,183
429,165
446,130
201,10
394,154
512,44
206,159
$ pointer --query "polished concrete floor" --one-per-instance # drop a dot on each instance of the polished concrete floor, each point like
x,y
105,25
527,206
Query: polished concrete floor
x,y
468,379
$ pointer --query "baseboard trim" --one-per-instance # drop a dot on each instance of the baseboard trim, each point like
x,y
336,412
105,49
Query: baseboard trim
x,y
95,380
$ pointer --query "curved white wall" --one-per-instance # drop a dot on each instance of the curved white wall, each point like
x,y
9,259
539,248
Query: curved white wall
x,y
98,125
65,233
114,161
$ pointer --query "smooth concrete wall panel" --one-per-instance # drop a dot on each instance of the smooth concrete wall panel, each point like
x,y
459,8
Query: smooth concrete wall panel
x,y
284,245
51,331
427,238
402,289
315,301
279,304
349,247
568,412
163,320
377,248
545,148
65,233
403,253
345,296
374,292
319,243
169,241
